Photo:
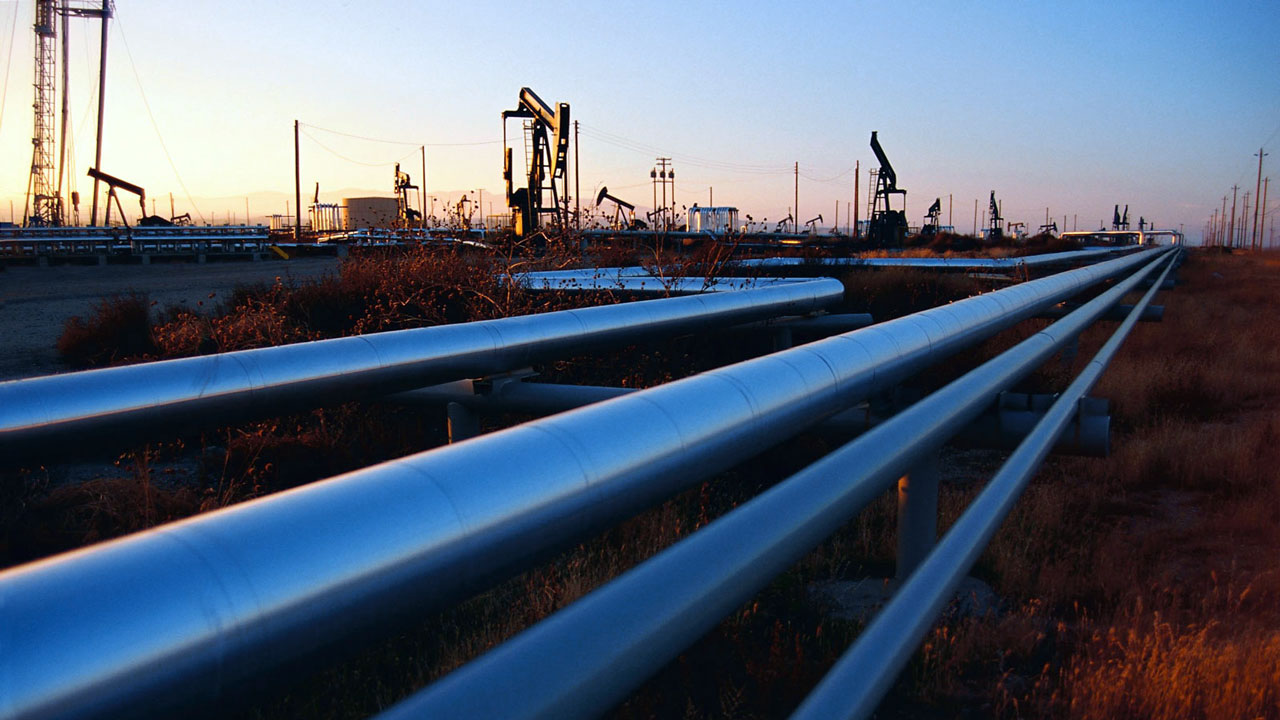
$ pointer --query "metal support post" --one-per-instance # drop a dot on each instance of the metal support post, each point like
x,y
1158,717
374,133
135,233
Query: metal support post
x,y
782,339
917,514
1070,351
463,424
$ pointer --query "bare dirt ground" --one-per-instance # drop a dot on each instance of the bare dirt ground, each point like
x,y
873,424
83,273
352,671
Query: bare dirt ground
x,y
36,302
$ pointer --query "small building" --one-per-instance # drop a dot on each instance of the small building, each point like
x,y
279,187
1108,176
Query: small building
x,y
370,212
714,220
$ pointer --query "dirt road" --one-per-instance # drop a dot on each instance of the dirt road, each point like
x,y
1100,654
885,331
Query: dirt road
x,y
36,302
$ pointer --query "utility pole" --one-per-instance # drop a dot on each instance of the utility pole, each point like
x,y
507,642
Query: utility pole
x,y
102,99
1244,220
577,180
1222,223
949,222
297,187
62,134
653,175
1265,185
796,221
975,217
1231,233
1255,239
663,173
857,172
422,192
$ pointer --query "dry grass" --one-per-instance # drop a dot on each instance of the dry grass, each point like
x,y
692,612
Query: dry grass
x,y
119,328
1220,658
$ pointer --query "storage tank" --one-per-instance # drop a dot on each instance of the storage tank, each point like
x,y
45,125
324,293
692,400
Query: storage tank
x,y
370,212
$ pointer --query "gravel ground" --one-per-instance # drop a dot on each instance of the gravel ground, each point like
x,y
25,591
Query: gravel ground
x,y
36,302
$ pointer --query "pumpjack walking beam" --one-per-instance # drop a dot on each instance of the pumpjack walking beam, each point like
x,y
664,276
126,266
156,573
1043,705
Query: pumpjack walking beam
x,y
888,227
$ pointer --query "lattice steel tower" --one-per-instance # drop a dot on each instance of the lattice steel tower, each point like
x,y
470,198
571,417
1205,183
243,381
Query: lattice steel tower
x,y
46,205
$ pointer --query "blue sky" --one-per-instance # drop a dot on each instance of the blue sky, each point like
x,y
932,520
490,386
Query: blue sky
x,y
1073,106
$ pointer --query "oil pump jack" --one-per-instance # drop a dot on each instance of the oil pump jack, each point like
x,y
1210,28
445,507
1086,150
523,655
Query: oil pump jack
x,y
995,226
407,215
620,206
114,182
888,227
547,148
930,227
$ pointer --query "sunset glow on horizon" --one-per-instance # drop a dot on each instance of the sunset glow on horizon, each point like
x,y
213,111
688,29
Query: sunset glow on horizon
x,y
1154,105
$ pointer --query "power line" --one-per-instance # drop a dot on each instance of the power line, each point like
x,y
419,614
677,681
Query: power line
x,y
833,178
138,79
397,142
352,160
8,63
640,147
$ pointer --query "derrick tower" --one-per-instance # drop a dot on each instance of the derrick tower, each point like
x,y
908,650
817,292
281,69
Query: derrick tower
x,y
46,204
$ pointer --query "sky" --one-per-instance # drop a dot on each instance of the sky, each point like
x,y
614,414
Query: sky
x,y
1070,106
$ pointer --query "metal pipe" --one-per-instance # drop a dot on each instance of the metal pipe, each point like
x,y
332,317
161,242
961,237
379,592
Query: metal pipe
x,y
1001,428
512,396
186,611
123,404
626,630
943,263
857,682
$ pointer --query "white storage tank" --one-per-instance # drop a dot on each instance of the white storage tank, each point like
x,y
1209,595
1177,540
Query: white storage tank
x,y
370,212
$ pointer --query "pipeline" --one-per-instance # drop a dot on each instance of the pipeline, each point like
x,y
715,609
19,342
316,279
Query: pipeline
x,y
190,612
76,411
623,632
860,678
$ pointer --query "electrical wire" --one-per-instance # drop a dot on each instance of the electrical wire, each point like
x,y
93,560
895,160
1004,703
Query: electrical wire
x,y
8,63
621,141
641,148
352,160
396,142
615,140
831,179
138,79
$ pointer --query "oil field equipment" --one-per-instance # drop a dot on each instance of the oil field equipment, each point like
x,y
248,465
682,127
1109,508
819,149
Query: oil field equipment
x,y
113,183
713,219
812,225
49,164
619,222
403,184
546,135
930,227
1118,221
888,227
1049,228
995,225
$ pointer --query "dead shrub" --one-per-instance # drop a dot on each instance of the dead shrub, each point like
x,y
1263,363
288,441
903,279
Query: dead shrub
x,y
118,329
84,513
